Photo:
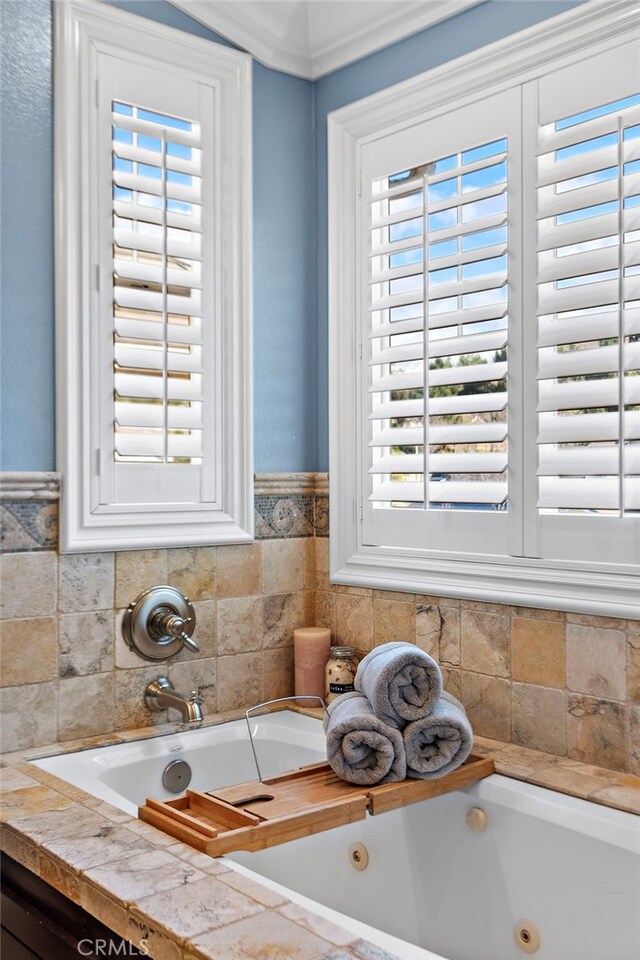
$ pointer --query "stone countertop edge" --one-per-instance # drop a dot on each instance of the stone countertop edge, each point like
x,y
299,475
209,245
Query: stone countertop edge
x,y
180,904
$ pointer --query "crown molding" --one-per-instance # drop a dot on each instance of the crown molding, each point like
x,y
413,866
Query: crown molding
x,y
234,22
397,25
261,36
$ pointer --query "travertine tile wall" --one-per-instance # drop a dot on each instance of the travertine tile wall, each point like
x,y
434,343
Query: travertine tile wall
x,y
562,683
66,671
559,682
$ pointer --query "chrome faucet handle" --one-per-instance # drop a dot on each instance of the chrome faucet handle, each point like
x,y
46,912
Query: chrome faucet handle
x,y
194,697
174,626
188,642
166,623
159,623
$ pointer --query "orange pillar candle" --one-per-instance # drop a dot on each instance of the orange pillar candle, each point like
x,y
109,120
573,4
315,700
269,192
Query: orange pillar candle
x,y
311,650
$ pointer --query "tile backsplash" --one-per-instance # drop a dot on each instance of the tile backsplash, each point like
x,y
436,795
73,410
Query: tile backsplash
x,y
66,670
563,683
559,682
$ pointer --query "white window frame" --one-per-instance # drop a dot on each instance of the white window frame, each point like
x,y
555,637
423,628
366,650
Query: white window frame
x,y
572,586
84,28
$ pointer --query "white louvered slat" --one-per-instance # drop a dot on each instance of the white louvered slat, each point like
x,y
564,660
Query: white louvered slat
x,y
190,167
186,306
391,329
462,288
397,381
551,267
139,357
444,376
583,297
380,248
151,445
400,189
552,171
158,383
585,427
442,463
156,273
452,433
396,300
443,406
463,199
588,353
578,328
442,491
585,461
145,213
475,343
186,193
409,351
553,204
491,311
586,394
187,248
454,318
573,493
467,168
131,329
179,416
552,139
581,362
469,256
148,128
489,222
553,235
138,386
397,437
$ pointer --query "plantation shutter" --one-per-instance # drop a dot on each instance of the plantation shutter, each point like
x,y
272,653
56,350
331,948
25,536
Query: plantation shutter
x,y
436,328
158,321
157,283
588,308
153,280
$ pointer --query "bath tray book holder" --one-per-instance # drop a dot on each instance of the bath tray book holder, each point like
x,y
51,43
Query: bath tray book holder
x,y
262,813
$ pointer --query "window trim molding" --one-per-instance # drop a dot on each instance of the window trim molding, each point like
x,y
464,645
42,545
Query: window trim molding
x,y
578,588
79,26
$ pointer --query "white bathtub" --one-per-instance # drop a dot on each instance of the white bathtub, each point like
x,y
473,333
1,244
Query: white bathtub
x,y
433,888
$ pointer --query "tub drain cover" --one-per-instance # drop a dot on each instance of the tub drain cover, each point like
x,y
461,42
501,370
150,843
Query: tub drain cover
x,y
176,776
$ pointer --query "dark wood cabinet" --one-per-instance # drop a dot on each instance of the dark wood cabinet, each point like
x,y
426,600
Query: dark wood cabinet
x,y
39,923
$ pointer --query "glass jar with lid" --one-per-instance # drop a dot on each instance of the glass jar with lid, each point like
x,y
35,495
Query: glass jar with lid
x,y
340,672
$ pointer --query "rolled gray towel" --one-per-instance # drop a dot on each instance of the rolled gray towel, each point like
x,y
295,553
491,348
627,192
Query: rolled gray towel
x,y
361,748
401,682
439,743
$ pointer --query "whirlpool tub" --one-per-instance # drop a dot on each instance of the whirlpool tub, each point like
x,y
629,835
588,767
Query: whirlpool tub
x,y
546,865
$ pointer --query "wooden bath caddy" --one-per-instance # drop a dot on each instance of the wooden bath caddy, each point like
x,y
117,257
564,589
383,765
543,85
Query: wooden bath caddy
x,y
263,813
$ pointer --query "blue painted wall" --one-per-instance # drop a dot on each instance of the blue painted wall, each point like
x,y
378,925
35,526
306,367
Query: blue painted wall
x,y
284,277
468,31
26,278
290,230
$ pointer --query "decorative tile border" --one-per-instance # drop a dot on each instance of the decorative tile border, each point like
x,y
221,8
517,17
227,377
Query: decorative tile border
x,y
277,517
286,505
321,515
284,484
27,525
29,486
